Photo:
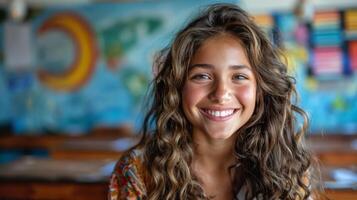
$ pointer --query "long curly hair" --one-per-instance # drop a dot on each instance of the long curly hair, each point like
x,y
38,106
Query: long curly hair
x,y
269,148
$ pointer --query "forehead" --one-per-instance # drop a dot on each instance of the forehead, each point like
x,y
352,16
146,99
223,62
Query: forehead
x,y
224,49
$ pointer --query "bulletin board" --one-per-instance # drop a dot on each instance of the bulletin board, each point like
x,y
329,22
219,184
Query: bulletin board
x,y
322,57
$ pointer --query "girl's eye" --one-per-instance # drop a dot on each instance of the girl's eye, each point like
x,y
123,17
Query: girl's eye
x,y
200,77
239,77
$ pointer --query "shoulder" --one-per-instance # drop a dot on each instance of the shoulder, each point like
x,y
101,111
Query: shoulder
x,y
129,162
127,180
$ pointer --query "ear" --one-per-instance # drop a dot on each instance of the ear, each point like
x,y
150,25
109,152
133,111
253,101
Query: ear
x,y
154,70
157,62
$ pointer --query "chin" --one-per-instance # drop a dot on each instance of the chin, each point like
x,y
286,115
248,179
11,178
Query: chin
x,y
220,136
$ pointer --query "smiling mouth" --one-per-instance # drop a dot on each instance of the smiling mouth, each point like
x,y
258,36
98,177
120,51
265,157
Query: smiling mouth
x,y
219,115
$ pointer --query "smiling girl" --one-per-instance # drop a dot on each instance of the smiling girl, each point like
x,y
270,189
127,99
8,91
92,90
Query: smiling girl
x,y
221,123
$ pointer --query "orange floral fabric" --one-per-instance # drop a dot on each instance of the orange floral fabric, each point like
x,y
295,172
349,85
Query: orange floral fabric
x,y
127,179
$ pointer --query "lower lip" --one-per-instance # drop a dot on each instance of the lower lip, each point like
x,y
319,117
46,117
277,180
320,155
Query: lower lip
x,y
218,119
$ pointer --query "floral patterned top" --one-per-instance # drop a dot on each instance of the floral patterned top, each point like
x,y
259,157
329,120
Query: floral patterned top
x,y
128,179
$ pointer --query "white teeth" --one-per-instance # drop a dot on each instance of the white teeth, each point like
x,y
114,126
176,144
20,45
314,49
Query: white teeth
x,y
217,113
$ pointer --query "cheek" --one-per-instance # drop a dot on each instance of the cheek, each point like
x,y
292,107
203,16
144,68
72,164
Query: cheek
x,y
190,96
247,95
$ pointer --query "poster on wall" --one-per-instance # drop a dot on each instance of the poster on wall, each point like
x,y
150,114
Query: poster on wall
x,y
18,46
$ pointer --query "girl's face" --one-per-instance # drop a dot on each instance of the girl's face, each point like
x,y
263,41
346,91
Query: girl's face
x,y
220,91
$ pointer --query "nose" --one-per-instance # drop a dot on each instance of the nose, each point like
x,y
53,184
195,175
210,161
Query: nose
x,y
221,92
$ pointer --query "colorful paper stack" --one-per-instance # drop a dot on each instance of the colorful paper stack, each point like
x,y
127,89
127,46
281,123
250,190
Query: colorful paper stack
x,y
327,40
351,35
352,53
351,24
327,60
266,22
327,29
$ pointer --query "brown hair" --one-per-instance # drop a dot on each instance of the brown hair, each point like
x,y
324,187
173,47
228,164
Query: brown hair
x,y
269,148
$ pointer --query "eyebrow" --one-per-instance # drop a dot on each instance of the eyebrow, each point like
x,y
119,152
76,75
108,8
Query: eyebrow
x,y
209,66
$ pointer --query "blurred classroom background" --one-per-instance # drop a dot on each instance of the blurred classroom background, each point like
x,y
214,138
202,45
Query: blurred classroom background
x,y
73,77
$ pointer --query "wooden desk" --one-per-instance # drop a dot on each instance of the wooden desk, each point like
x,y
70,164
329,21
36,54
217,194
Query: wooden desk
x,y
74,170
34,178
93,149
72,147
49,141
54,190
335,186
334,150
341,194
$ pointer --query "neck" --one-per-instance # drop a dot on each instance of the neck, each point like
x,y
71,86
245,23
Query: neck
x,y
211,165
213,154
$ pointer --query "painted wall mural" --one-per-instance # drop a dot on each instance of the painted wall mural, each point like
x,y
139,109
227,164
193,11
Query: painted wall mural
x,y
84,46
93,66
